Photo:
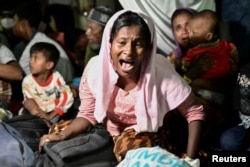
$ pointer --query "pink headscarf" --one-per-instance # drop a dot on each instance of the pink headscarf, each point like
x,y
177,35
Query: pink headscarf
x,y
151,104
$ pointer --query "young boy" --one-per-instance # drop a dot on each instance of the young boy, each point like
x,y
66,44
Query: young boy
x,y
45,91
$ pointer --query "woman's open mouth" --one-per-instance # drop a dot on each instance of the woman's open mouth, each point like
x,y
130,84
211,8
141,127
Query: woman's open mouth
x,y
126,65
186,39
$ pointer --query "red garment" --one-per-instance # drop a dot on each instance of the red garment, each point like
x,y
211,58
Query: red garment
x,y
220,51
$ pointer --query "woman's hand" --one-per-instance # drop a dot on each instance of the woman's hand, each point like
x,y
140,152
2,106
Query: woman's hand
x,y
77,126
50,138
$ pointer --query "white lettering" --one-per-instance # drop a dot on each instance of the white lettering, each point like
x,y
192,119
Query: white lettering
x,y
217,158
221,159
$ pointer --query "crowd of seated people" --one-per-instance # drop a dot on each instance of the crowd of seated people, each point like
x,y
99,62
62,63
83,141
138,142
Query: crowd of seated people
x,y
21,22
209,64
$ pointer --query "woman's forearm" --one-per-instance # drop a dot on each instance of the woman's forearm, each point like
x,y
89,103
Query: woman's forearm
x,y
77,126
195,130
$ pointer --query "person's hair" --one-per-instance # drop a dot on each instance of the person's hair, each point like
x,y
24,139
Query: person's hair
x,y
30,12
179,11
212,17
129,19
49,50
71,37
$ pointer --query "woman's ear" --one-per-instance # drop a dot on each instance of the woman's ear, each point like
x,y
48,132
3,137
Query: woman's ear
x,y
209,36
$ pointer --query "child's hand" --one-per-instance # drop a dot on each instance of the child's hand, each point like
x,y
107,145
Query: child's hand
x,y
43,115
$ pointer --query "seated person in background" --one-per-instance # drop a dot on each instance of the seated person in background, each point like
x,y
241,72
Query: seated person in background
x,y
6,35
96,21
74,42
45,93
216,92
203,34
27,18
236,138
9,71
179,21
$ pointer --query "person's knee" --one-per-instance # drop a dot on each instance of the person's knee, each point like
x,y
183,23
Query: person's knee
x,y
232,139
226,141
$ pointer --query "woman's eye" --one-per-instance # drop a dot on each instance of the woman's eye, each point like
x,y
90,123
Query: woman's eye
x,y
178,28
122,42
138,44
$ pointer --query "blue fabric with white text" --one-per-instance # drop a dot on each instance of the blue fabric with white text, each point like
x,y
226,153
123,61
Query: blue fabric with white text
x,y
152,157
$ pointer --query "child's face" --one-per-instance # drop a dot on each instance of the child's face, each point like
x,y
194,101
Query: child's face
x,y
198,30
179,26
38,63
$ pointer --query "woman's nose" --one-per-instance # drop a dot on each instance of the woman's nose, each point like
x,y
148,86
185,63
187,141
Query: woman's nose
x,y
185,30
128,49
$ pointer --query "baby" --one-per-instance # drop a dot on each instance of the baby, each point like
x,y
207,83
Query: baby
x,y
203,33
